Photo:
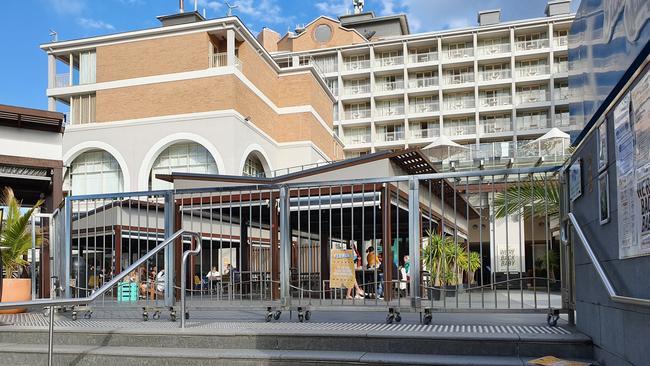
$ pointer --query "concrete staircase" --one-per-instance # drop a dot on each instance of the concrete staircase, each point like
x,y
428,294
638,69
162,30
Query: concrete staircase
x,y
109,343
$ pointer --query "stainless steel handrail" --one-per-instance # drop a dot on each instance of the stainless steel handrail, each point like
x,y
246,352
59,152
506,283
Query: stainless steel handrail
x,y
186,255
100,291
601,273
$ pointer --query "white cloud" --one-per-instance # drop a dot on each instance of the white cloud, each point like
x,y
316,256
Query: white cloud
x,y
65,7
334,7
267,10
94,24
210,4
388,7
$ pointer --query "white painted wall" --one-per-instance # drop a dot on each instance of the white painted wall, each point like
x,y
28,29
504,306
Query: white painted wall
x,y
30,143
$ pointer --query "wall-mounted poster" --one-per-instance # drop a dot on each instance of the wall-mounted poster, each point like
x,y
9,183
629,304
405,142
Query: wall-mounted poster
x,y
603,197
602,146
575,180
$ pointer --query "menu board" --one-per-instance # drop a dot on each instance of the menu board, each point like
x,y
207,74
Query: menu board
x,y
342,273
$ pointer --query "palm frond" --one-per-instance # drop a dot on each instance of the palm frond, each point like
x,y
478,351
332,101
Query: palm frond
x,y
534,198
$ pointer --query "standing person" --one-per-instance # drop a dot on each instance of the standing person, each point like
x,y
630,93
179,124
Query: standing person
x,y
371,258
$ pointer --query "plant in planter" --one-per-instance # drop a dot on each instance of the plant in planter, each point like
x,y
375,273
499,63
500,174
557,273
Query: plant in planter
x,y
15,241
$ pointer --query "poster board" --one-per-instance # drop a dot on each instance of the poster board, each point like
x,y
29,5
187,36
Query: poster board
x,y
632,137
342,273
575,179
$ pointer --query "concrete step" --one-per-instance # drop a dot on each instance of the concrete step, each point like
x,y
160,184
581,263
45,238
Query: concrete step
x,y
25,354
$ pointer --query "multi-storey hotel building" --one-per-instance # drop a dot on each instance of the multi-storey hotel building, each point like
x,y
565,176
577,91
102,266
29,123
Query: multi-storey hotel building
x,y
192,95
496,86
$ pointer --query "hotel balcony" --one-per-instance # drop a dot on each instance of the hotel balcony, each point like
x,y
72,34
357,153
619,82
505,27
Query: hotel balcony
x,y
424,108
389,86
494,75
356,65
390,111
458,54
420,58
356,89
561,94
532,97
357,114
493,49
425,133
536,44
390,136
221,60
562,120
459,79
455,130
495,125
533,122
357,139
561,67
532,71
459,104
494,102
62,80
389,61
560,41
423,83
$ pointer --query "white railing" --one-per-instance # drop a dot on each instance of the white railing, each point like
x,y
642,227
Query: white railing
x,y
457,104
459,53
534,96
493,49
561,41
356,89
508,149
388,112
562,119
356,65
390,136
459,130
424,107
527,71
324,66
389,86
425,133
491,75
560,67
531,45
389,61
357,139
358,114
467,77
495,125
561,93
533,122
221,60
423,82
62,80
417,58
495,101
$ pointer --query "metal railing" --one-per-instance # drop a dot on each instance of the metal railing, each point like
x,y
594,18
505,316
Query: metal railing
x,y
529,71
358,114
429,107
426,82
493,49
599,269
425,133
356,89
562,119
416,58
459,130
493,75
561,67
533,122
561,93
456,79
536,96
458,104
221,60
531,45
494,101
356,65
561,41
357,139
390,136
62,80
389,61
496,125
389,111
459,53
389,86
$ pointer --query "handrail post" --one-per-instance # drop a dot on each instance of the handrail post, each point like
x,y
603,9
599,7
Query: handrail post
x,y
414,240
169,250
186,255
67,248
285,246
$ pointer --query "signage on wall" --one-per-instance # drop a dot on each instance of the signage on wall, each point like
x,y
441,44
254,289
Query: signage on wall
x,y
342,273
632,134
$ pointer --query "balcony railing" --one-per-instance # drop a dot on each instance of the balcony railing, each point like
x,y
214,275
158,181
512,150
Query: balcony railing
x,y
358,114
357,139
221,60
459,130
467,77
562,119
459,53
424,107
457,104
356,65
528,71
423,82
389,86
417,58
425,133
325,67
494,101
389,61
560,67
561,41
492,75
493,49
62,80
495,125
536,96
561,93
390,136
356,89
532,122
388,112
531,45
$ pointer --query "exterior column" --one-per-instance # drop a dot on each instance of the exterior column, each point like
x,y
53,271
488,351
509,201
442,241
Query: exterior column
x,y
71,75
51,71
441,81
551,65
405,77
476,93
387,242
513,87
373,112
230,47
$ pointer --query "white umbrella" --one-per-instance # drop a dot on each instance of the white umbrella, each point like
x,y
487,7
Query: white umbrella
x,y
443,148
550,142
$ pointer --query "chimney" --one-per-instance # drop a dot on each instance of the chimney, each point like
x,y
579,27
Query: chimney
x,y
489,17
269,39
181,6
558,7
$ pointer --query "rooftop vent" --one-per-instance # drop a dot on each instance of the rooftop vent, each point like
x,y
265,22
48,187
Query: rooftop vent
x,y
182,17
558,7
489,17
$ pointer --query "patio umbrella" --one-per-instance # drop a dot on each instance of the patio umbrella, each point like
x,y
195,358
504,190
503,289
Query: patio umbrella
x,y
553,142
443,148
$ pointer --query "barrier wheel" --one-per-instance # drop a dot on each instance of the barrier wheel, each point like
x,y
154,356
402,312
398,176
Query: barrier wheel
x,y
88,314
389,318
307,315
74,316
269,316
172,317
156,315
277,314
427,319
398,318
187,315
301,317
551,320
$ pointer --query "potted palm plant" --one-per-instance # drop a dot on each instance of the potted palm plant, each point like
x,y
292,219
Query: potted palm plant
x,y
15,241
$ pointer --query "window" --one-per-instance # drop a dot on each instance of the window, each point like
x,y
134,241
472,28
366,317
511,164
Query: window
x,y
253,166
94,172
188,157
323,33
87,67
82,109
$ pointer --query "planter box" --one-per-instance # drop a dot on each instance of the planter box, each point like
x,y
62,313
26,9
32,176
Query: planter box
x,y
16,289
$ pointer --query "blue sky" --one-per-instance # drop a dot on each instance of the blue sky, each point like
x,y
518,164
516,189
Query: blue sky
x,y
25,24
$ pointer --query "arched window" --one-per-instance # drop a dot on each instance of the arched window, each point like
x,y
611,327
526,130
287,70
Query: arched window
x,y
187,157
253,166
94,172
